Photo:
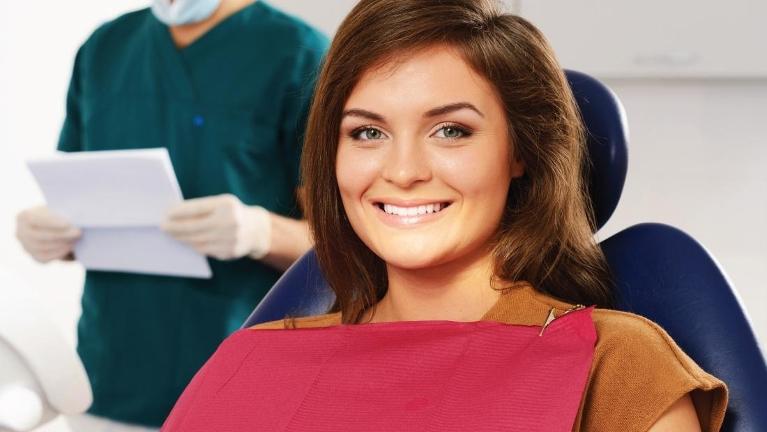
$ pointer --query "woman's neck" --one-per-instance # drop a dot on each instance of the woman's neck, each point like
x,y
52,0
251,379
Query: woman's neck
x,y
456,291
185,35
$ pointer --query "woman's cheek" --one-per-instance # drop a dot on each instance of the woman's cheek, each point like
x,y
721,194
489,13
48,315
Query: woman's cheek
x,y
464,169
357,169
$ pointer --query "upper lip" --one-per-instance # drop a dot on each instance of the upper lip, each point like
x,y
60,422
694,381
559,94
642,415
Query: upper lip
x,y
408,202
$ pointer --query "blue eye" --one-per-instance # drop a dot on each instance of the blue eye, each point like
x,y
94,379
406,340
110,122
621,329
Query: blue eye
x,y
368,133
452,132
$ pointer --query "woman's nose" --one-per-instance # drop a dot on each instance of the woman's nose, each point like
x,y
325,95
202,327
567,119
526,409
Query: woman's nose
x,y
407,164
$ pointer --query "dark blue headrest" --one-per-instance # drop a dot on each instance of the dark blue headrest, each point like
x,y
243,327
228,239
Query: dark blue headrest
x,y
666,275
301,291
607,136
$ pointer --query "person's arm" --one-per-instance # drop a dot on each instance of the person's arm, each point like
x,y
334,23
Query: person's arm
x,y
223,227
290,240
681,416
44,235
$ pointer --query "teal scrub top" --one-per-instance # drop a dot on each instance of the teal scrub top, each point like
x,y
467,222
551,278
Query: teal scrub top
x,y
230,109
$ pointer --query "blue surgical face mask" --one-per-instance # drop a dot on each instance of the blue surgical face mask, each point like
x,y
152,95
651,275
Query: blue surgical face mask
x,y
180,12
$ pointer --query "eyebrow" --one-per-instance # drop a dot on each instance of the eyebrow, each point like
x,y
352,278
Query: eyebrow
x,y
356,112
444,109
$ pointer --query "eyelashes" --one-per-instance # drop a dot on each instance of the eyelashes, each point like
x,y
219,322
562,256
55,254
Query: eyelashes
x,y
367,133
447,131
452,131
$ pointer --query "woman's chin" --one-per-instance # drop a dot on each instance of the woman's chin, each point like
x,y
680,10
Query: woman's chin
x,y
411,260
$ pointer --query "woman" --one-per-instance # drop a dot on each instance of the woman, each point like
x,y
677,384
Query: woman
x,y
224,85
444,182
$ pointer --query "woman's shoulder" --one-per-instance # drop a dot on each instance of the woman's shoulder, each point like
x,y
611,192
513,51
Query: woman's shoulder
x,y
638,372
314,321
118,30
286,30
634,340
616,328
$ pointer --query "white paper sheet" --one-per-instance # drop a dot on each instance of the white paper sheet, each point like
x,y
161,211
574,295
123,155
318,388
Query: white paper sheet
x,y
119,198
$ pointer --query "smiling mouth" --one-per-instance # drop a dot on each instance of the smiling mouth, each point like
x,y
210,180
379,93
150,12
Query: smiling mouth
x,y
419,210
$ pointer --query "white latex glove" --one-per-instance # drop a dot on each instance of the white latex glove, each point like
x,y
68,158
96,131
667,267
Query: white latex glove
x,y
45,235
221,226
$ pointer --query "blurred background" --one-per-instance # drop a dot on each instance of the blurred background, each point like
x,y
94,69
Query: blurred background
x,y
692,76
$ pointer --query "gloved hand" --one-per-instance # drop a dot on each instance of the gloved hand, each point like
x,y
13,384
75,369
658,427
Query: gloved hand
x,y
221,226
45,235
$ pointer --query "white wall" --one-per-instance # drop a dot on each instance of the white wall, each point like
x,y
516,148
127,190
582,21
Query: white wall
x,y
37,46
655,38
717,194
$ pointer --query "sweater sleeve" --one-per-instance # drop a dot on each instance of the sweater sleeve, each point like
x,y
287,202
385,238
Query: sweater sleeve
x,y
638,372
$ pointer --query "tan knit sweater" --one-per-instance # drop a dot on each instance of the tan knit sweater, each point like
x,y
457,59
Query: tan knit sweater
x,y
637,373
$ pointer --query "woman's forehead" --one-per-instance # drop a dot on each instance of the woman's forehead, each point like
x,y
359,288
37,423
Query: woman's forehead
x,y
428,77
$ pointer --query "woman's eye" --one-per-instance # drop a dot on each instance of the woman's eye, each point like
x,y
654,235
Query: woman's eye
x,y
451,132
368,133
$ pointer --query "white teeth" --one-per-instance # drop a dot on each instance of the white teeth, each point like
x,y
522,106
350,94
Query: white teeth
x,y
413,211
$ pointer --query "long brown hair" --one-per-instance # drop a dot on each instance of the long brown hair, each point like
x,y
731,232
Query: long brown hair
x,y
545,235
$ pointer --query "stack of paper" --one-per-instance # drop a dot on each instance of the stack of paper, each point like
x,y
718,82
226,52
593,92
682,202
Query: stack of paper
x,y
119,199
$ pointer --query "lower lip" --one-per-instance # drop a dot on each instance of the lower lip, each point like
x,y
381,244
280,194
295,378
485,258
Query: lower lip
x,y
407,221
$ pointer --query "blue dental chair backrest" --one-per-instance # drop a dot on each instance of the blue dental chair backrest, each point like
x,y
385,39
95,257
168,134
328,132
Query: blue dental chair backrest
x,y
660,273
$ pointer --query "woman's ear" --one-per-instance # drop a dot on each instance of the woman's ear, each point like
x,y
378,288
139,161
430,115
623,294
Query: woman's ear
x,y
517,167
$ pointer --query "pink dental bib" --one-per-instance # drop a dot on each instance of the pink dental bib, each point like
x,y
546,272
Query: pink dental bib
x,y
405,376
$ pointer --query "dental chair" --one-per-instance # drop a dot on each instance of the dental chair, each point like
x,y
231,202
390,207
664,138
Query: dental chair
x,y
40,374
660,272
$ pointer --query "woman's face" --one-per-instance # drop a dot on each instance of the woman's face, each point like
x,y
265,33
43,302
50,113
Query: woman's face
x,y
423,162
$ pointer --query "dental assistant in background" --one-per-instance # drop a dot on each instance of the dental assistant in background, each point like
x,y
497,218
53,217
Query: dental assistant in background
x,y
225,86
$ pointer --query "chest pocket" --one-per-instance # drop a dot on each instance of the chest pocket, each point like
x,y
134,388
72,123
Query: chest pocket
x,y
124,122
245,134
244,157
